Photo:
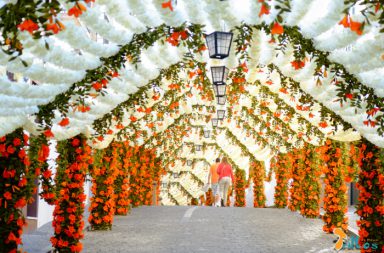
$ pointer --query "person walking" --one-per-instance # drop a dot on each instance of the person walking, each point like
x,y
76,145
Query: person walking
x,y
213,179
226,178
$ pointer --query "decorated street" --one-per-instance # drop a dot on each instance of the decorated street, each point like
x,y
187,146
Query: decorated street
x,y
191,126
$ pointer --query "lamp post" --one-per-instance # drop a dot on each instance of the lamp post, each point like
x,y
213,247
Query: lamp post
x,y
220,114
207,133
219,44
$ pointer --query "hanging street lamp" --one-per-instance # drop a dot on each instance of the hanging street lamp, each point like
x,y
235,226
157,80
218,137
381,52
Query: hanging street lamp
x,y
215,122
175,175
198,147
219,90
220,114
221,100
207,133
219,44
219,77
219,74
189,162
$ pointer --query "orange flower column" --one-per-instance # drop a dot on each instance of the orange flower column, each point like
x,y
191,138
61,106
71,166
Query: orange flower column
x,y
104,173
311,184
295,190
371,198
68,224
144,171
258,184
282,168
38,155
240,187
16,189
209,197
122,182
335,198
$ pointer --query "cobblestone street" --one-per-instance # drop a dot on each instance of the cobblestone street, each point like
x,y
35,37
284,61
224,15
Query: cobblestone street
x,y
208,229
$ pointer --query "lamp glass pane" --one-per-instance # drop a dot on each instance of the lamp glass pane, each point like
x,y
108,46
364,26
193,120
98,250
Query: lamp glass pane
x,y
214,89
220,114
220,90
223,43
221,100
211,44
215,122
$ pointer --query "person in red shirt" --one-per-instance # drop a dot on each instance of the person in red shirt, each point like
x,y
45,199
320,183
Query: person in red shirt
x,y
226,178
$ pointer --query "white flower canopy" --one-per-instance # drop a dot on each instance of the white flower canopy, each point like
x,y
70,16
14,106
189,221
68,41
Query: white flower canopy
x,y
58,66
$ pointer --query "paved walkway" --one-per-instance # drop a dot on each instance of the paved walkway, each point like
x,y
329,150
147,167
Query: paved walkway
x,y
209,229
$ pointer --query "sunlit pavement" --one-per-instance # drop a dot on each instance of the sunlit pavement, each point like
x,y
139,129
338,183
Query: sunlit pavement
x,y
209,229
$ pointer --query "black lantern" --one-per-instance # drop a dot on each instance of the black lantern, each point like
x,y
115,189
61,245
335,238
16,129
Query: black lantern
x,y
207,133
175,175
221,100
189,162
198,147
219,44
219,90
220,114
219,74
215,122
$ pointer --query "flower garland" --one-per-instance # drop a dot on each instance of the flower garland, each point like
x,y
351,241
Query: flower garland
x,y
209,197
295,191
258,176
282,167
36,18
371,198
335,197
68,224
122,183
16,189
240,187
104,172
311,184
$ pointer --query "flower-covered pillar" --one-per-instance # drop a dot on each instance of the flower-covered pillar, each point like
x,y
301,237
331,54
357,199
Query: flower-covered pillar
x,y
371,198
73,161
144,171
295,190
103,172
122,180
310,207
38,154
16,188
240,187
335,197
258,175
282,165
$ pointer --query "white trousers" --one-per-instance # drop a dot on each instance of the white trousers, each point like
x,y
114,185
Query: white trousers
x,y
224,184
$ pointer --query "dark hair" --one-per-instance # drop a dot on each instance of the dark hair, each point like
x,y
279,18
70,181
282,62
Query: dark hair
x,y
218,160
